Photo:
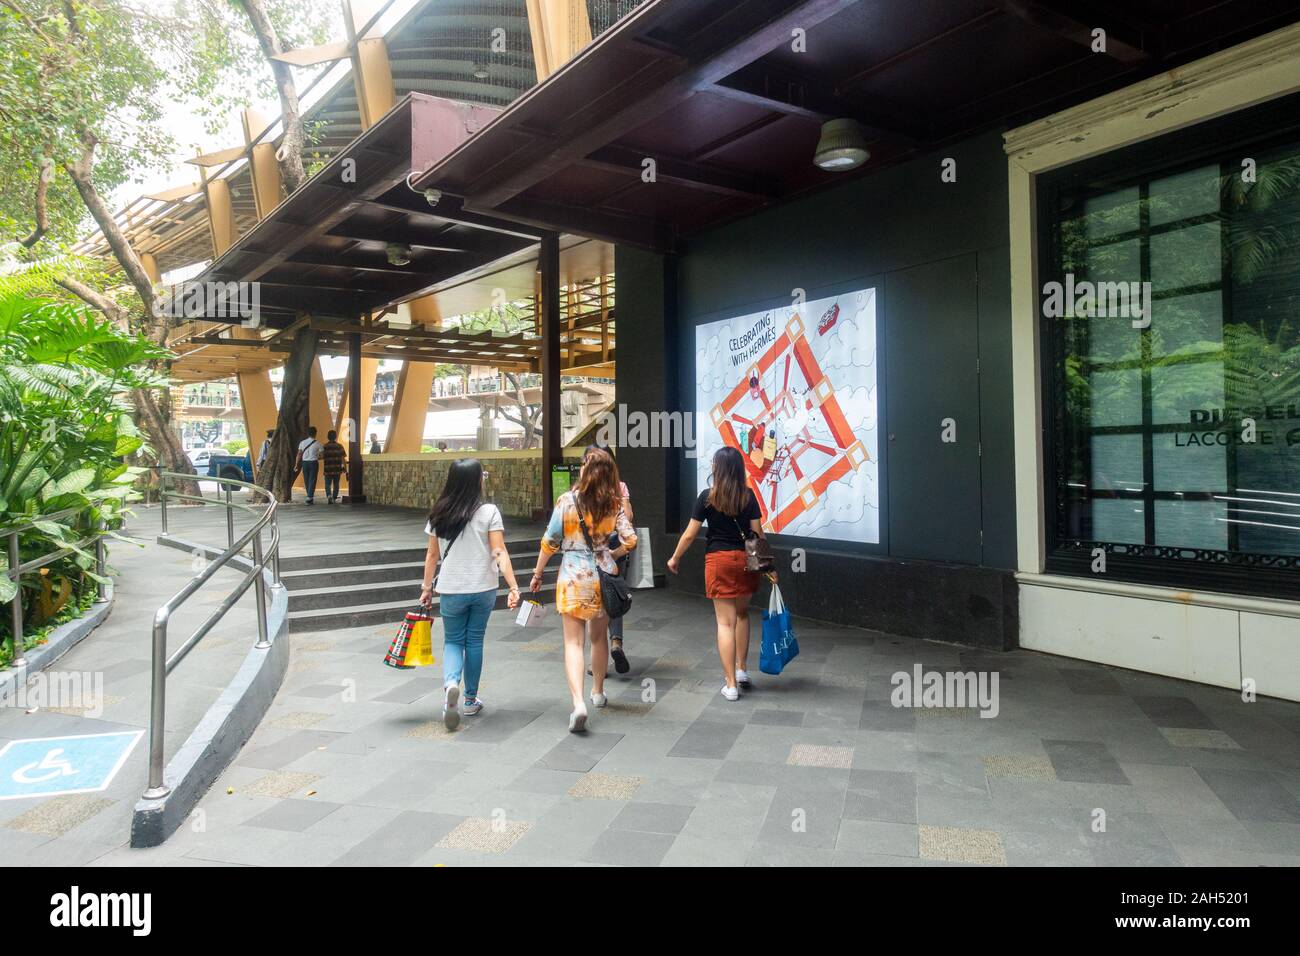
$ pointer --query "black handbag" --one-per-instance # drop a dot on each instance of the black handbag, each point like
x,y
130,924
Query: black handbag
x,y
615,595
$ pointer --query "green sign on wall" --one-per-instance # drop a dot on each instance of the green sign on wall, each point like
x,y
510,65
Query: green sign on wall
x,y
563,478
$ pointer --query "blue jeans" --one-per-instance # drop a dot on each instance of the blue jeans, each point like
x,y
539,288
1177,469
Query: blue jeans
x,y
309,469
332,486
464,620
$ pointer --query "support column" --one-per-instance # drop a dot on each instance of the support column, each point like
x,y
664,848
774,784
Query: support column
x,y
548,265
356,488
318,403
414,386
559,29
372,73
221,215
257,402
268,187
150,265
360,418
410,408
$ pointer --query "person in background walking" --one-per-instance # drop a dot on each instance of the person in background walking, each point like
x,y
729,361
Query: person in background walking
x,y
374,445
594,503
265,449
469,536
309,450
621,664
731,511
333,460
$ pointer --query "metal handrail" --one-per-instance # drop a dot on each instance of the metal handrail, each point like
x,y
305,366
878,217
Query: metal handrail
x,y
17,570
162,664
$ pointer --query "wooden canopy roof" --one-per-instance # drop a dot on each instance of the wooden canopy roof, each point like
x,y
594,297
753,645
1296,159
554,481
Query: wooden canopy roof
x,y
324,250
728,97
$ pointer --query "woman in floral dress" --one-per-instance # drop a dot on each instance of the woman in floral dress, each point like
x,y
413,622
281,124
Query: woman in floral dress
x,y
577,594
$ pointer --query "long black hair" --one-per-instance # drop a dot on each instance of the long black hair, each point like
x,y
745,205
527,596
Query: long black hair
x,y
460,499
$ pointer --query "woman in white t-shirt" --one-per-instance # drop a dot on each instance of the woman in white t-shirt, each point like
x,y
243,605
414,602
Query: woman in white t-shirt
x,y
468,535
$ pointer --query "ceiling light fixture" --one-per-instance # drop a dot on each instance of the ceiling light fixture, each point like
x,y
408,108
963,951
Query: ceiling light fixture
x,y
399,254
843,146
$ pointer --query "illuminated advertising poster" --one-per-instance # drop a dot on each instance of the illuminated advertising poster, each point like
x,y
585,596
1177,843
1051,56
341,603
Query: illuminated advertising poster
x,y
794,389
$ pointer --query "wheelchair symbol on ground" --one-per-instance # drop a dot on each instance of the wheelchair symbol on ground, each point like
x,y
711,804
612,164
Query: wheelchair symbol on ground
x,y
55,766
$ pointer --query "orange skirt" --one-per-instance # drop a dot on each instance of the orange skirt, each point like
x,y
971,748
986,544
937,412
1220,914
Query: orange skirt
x,y
725,575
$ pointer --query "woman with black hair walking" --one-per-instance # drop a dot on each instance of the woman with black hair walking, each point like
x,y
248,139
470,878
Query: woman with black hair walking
x,y
731,511
467,534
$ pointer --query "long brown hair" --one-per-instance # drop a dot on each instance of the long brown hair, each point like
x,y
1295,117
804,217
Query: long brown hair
x,y
597,493
729,493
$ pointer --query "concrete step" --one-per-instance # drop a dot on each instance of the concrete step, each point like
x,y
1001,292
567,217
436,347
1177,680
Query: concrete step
x,y
382,556
343,579
384,612
349,593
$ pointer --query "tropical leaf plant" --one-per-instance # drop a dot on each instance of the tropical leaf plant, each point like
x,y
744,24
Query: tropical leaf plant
x,y
66,427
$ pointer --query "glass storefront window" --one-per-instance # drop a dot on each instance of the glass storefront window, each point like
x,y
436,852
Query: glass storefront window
x,y
1171,323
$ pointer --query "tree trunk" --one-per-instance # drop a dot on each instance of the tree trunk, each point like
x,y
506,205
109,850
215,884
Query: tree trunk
x,y
42,214
289,155
291,423
82,173
528,414
166,443
152,416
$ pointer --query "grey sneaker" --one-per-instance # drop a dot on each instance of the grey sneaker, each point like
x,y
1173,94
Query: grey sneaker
x,y
471,707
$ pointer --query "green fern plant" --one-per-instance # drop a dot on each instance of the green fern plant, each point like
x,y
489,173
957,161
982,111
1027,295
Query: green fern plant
x,y
65,428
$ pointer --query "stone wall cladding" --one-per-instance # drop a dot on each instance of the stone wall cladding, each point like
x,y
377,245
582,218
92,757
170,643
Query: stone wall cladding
x,y
514,484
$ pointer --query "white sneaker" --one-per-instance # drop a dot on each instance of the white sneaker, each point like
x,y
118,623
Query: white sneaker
x,y
731,693
450,713
472,707
599,700
742,679
578,719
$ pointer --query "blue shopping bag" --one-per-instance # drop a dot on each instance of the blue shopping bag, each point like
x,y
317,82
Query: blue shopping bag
x,y
778,646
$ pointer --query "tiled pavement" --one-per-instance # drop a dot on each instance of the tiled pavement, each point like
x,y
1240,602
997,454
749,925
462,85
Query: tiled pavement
x,y
352,766
815,767
77,828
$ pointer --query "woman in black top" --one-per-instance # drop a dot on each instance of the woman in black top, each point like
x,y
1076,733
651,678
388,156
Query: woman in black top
x,y
731,512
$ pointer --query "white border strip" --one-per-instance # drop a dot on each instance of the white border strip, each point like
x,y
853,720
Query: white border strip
x,y
1229,602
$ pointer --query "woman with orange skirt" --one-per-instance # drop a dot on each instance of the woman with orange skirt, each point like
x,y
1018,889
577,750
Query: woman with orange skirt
x,y
731,511
595,502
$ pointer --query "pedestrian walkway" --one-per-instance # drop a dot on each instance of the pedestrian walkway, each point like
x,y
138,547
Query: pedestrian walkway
x,y
110,718
353,766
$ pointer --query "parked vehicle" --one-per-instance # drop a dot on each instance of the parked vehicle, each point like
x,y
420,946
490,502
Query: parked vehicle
x,y
222,465
200,457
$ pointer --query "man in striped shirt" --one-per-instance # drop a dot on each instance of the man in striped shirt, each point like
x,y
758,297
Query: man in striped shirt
x,y
333,461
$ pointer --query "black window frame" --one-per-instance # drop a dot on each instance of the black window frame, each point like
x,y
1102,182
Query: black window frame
x,y
1240,134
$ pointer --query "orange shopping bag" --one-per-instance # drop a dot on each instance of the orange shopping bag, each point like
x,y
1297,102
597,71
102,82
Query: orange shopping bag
x,y
413,645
